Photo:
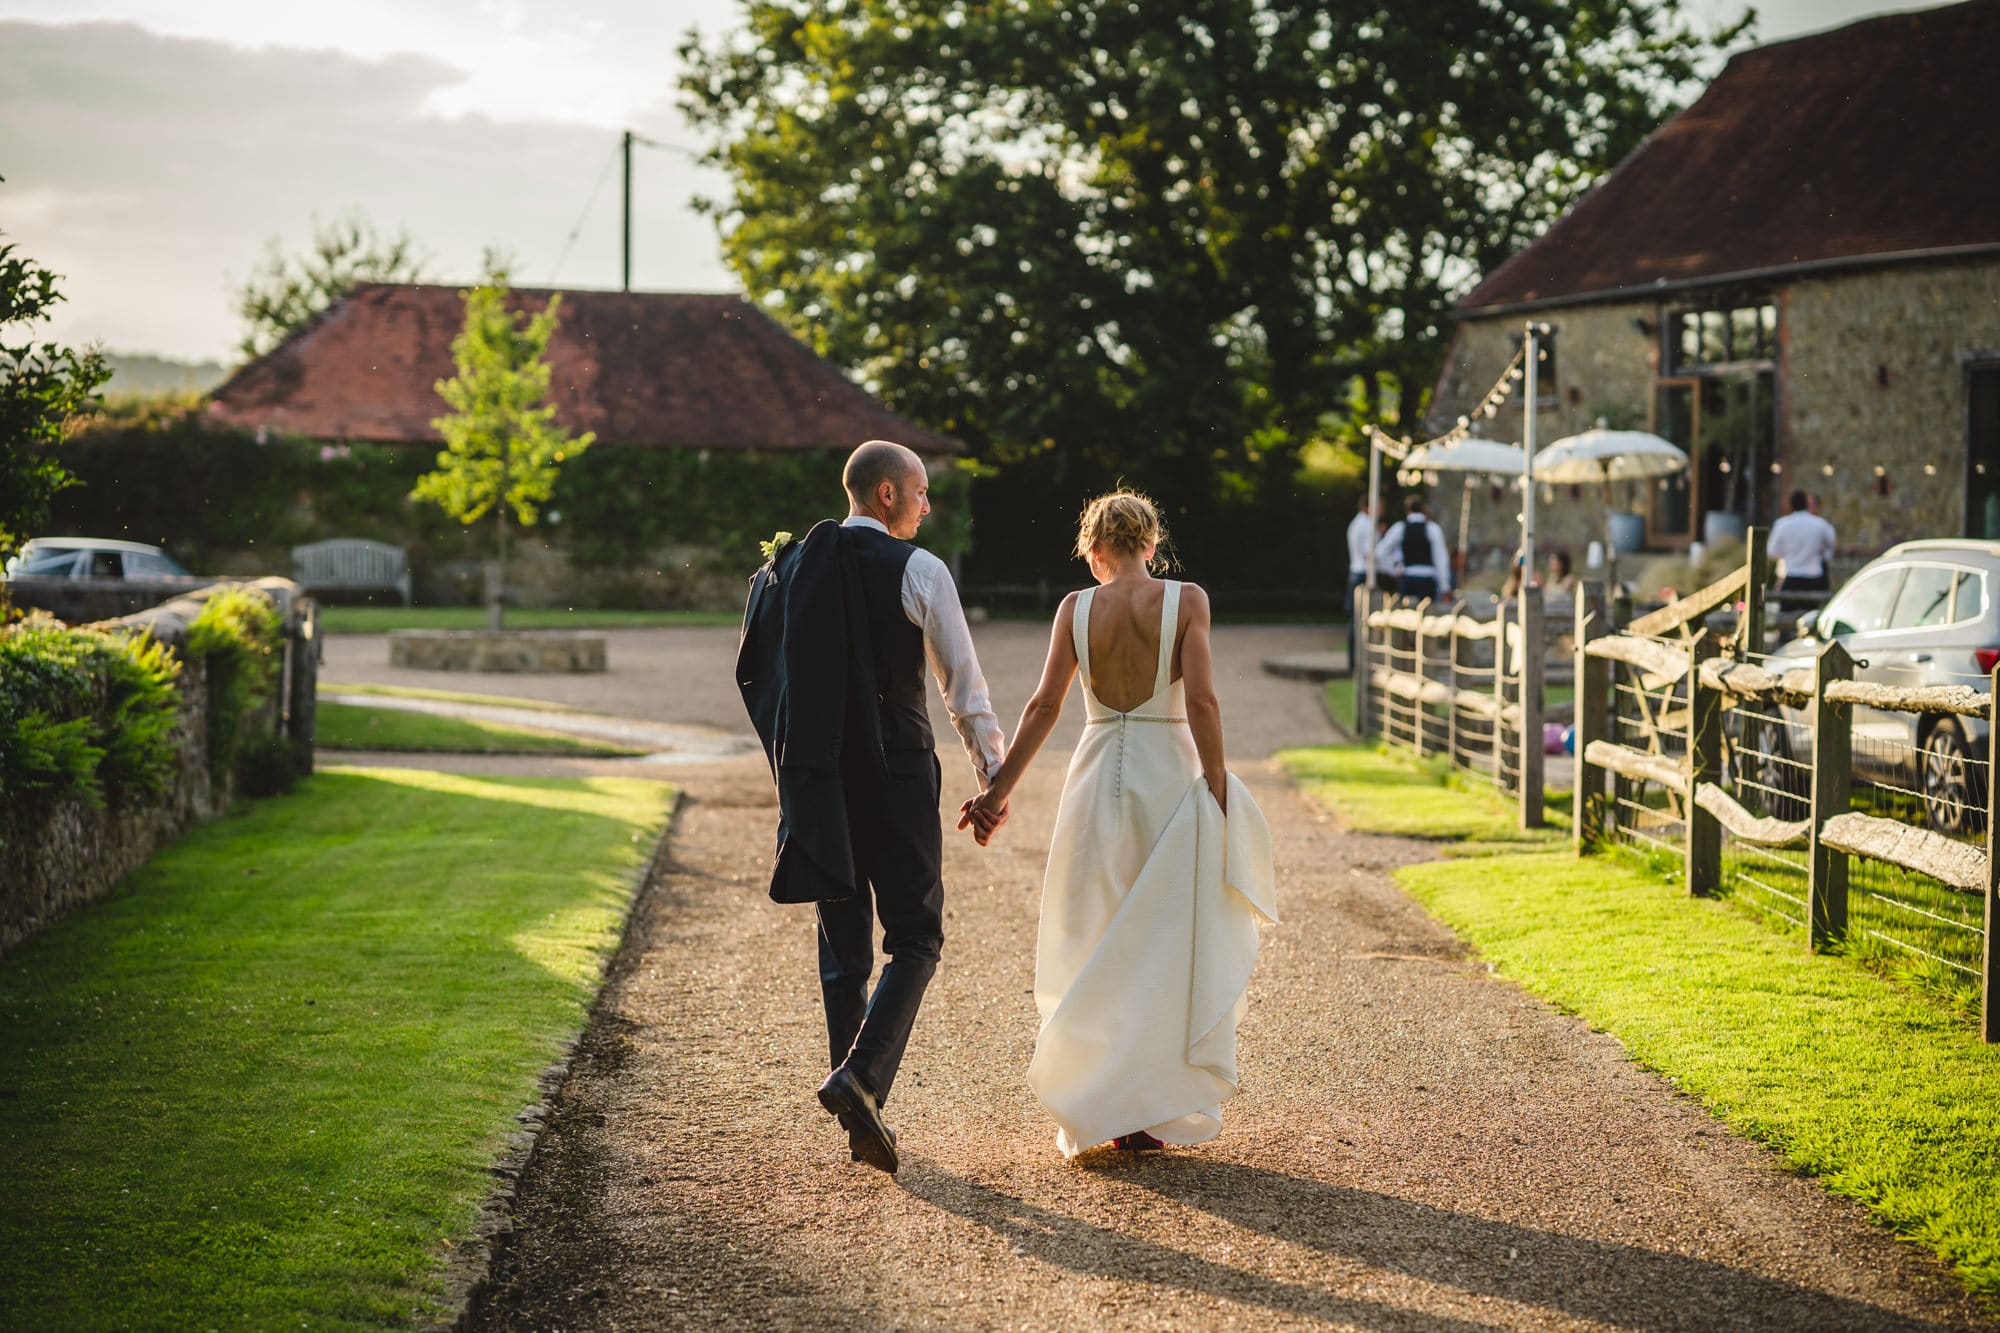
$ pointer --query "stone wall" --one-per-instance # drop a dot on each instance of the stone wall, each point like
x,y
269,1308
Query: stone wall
x,y
1874,375
1604,367
56,856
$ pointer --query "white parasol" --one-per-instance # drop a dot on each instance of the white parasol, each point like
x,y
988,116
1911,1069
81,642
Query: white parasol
x,y
1469,454
1605,456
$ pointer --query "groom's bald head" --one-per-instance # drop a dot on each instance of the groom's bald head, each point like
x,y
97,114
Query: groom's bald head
x,y
887,482
874,463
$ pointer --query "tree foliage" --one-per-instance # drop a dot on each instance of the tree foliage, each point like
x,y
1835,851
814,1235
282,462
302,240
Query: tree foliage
x,y
43,387
1165,239
502,444
286,293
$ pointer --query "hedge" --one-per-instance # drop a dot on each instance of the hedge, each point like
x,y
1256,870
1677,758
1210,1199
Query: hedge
x,y
89,716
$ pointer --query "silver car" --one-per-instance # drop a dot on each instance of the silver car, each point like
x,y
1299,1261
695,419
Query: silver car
x,y
92,557
1922,613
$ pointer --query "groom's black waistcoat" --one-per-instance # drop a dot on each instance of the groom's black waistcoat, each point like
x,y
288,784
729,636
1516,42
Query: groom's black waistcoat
x,y
898,645
831,671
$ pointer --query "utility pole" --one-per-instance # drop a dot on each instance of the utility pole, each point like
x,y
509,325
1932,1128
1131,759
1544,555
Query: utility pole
x,y
626,281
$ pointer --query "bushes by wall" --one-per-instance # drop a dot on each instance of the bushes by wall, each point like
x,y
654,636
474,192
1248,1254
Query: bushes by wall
x,y
84,716
111,742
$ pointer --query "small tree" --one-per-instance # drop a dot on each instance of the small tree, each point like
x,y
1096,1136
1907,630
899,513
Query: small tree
x,y
284,294
42,387
502,445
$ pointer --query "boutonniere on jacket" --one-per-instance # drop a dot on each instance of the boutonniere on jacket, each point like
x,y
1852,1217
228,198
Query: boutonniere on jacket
x,y
779,541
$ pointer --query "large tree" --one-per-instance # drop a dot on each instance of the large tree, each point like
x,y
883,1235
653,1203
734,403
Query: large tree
x,y
502,446
43,387
287,291
1164,238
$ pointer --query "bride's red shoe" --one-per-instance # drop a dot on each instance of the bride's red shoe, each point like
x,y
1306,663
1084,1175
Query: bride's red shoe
x,y
1139,1141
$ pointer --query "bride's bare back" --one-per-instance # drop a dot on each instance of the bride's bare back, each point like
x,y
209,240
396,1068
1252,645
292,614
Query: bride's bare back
x,y
1125,641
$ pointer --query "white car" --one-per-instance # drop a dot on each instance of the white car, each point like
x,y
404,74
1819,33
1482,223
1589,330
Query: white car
x,y
92,558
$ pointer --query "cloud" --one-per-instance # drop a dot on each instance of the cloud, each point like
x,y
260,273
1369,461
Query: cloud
x,y
151,170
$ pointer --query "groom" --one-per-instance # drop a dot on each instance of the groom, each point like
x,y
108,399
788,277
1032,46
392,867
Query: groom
x,y
837,631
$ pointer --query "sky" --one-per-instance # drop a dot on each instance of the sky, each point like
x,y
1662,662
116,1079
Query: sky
x,y
152,150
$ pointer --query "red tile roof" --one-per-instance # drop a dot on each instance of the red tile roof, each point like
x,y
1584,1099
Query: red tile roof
x,y
638,368
1877,139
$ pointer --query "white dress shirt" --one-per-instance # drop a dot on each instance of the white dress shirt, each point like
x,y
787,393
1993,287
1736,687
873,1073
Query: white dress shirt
x,y
930,600
1804,541
1360,536
1389,556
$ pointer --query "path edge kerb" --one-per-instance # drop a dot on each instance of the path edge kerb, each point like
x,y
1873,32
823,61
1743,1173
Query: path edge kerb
x,y
468,1271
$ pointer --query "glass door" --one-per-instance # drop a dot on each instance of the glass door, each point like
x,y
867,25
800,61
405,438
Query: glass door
x,y
1676,417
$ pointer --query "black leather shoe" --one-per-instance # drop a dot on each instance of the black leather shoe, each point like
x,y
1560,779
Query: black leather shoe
x,y
854,1136
843,1095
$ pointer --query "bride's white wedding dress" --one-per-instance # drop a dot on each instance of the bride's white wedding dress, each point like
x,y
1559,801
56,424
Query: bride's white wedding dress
x,y
1149,922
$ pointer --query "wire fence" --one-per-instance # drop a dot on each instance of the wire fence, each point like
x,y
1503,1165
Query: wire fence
x,y
1856,813
1446,685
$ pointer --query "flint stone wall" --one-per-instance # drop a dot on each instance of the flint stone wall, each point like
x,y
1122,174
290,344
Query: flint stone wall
x,y
57,855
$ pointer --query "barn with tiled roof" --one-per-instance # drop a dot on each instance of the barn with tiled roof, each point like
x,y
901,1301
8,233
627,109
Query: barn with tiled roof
x,y
641,369
1797,279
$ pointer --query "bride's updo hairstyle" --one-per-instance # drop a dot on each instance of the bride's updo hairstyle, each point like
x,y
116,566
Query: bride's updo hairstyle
x,y
1122,520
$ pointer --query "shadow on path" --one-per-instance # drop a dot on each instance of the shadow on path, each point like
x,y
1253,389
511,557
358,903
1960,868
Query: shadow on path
x,y
1607,1282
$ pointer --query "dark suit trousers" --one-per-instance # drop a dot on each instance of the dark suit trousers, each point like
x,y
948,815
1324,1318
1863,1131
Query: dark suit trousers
x,y
899,853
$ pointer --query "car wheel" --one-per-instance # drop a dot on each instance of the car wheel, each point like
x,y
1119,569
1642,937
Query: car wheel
x,y
1775,785
1954,794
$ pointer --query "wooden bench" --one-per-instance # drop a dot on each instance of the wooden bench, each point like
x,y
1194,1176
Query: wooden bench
x,y
351,564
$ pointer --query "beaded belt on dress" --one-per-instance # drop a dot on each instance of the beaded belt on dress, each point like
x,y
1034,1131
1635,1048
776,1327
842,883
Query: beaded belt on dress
x,y
1118,774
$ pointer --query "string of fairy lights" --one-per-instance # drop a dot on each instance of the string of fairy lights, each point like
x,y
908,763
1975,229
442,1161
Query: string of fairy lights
x,y
1464,428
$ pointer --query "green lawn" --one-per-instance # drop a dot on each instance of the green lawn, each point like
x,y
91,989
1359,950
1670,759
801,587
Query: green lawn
x,y
357,727
1375,792
381,619
1876,1090
455,696
261,1086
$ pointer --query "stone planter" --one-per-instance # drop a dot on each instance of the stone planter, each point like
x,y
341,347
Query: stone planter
x,y
506,650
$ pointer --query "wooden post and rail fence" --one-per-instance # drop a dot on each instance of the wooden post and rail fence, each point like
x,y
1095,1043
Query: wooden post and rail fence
x,y
1711,681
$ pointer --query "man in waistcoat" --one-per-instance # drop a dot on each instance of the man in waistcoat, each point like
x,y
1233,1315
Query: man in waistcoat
x,y
838,632
1414,551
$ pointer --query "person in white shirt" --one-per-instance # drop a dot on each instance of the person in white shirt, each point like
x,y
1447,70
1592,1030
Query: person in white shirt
x,y
1802,542
1414,551
1363,531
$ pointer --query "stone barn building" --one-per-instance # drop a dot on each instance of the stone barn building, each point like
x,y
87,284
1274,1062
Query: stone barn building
x,y
1797,280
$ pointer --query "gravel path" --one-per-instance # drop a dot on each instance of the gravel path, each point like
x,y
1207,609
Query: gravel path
x,y
1418,1144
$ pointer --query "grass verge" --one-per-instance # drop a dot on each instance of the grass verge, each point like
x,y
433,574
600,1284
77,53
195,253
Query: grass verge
x,y
1884,1096
262,1086
382,619
357,727
456,697
1374,792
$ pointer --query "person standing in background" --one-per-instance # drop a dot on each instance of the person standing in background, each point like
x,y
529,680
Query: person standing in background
x,y
1361,538
1802,542
1414,551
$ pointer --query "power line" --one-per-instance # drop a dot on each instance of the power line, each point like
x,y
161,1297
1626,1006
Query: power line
x,y
584,216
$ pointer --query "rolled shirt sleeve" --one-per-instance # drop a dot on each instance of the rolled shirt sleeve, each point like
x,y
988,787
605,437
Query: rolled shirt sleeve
x,y
930,600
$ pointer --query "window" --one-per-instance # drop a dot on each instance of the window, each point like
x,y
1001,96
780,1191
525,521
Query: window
x,y
105,565
1968,602
1701,338
1925,599
147,566
53,561
1862,605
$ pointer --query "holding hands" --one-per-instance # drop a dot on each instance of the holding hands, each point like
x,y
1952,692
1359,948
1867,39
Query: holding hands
x,y
984,814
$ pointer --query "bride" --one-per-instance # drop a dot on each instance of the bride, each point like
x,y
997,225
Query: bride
x,y
1160,865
